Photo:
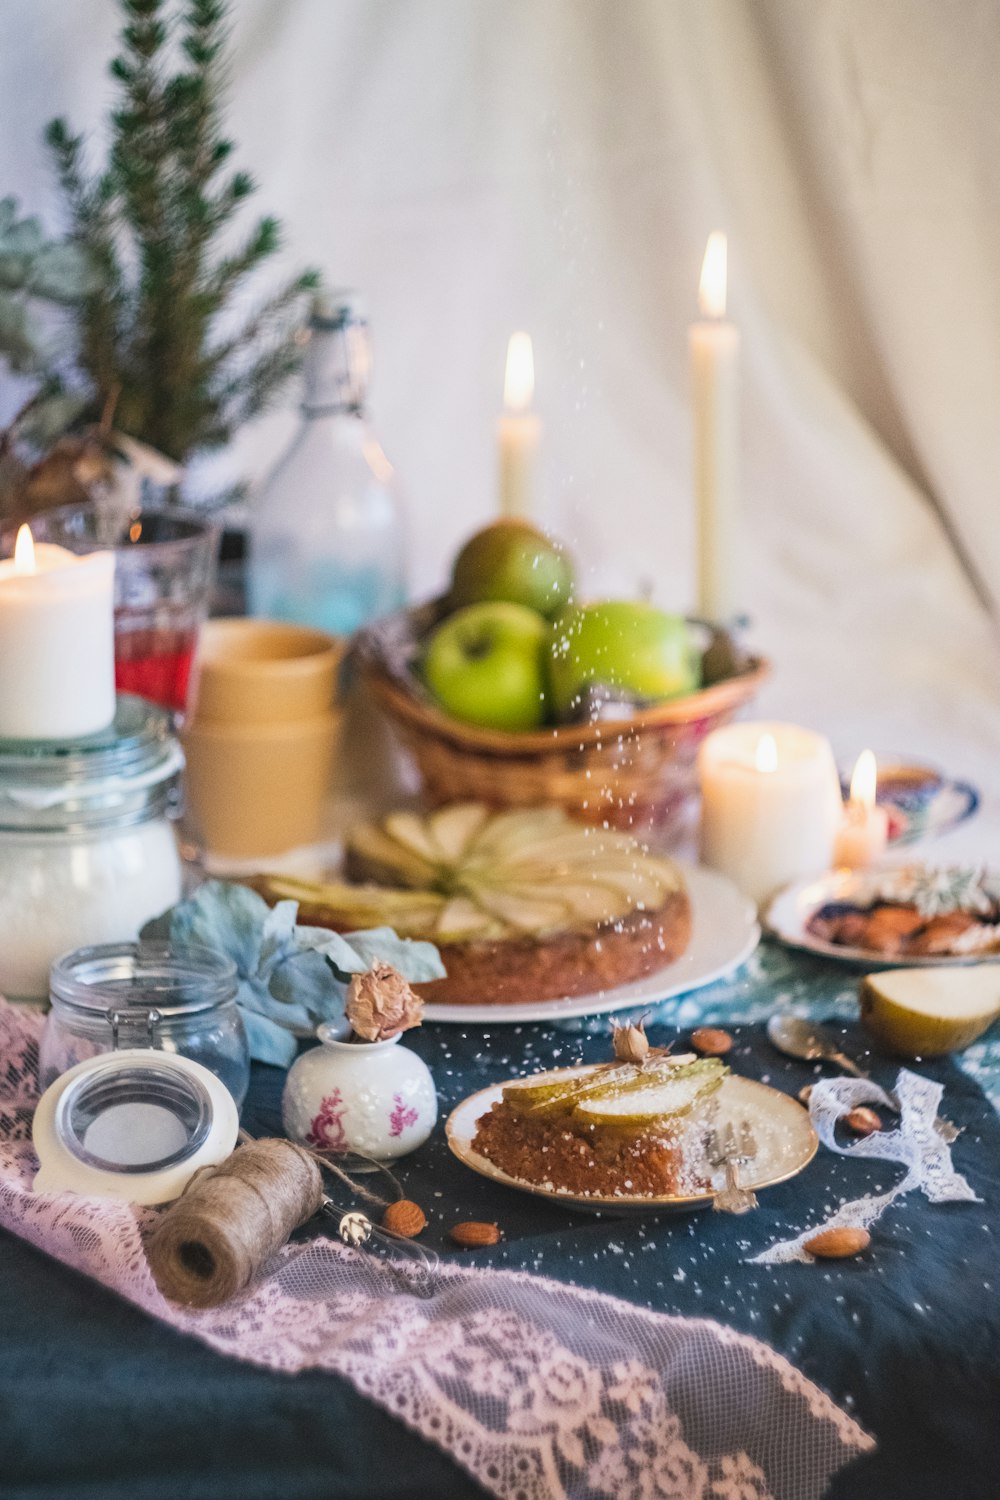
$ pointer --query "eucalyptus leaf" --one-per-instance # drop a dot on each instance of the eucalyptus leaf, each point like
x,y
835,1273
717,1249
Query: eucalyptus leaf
x,y
416,961
269,1042
291,978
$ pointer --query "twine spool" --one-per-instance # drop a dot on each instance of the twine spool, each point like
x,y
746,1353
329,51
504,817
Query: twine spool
x,y
211,1242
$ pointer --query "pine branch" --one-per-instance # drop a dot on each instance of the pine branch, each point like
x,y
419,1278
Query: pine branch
x,y
151,221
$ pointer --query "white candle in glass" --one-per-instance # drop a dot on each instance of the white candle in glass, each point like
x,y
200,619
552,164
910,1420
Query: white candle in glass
x,y
864,831
771,805
715,350
57,642
519,430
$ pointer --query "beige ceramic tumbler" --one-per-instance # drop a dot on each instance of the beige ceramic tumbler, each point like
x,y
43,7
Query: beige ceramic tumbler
x,y
262,737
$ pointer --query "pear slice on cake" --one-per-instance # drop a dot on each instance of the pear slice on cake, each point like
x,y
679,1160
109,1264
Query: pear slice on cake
x,y
928,1012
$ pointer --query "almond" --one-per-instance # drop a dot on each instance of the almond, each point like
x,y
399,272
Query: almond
x,y
805,1094
404,1218
838,1244
862,1121
471,1235
711,1042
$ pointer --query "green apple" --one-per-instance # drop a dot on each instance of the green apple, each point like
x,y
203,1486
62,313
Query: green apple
x,y
515,562
635,648
485,664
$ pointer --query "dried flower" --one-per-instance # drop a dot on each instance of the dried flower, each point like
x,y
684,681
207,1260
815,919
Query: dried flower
x,y
630,1042
380,1004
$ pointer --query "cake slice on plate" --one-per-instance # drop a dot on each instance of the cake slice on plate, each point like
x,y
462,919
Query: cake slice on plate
x,y
615,1130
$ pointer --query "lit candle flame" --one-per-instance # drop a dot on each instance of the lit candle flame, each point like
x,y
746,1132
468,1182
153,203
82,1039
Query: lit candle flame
x,y
865,780
766,756
712,288
24,551
519,376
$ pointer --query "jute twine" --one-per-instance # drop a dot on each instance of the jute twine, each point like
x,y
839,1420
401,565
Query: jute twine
x,y
231,1219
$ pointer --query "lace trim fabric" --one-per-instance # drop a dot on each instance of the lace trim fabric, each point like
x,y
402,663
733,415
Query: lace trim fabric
x,y
538,1390
916,1144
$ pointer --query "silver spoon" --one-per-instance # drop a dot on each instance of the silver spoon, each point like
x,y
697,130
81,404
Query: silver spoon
x,y
811,1042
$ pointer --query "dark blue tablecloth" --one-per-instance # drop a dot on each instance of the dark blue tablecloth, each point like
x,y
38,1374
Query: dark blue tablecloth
x,y
98,1401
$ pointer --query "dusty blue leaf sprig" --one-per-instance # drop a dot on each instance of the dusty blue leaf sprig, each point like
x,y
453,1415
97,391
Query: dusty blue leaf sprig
x,y
291,977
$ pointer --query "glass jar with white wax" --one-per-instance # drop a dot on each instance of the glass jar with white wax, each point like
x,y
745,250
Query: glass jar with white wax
x,y
87,847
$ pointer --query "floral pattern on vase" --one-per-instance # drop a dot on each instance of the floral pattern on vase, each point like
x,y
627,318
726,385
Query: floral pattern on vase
x,y
326,1133
375,1098
402,1116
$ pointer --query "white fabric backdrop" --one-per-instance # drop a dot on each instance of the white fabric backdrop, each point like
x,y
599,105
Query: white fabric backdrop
x,y
557,165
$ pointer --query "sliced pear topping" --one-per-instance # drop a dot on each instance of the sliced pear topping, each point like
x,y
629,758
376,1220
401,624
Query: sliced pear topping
x,y
490,875
535,917
454,828
375,855
670,1098
462,920
414,834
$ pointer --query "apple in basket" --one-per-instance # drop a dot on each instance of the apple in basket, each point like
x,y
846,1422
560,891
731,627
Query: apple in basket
x,y
485,664
630,647
512,561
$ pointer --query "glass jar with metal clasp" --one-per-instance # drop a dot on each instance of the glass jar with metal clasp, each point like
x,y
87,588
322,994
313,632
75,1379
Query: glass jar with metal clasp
x,y
178,998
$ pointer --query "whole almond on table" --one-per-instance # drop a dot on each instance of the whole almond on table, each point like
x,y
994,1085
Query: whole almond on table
x,y
862,1121
404,1218
838,1244
710,1041
473,1235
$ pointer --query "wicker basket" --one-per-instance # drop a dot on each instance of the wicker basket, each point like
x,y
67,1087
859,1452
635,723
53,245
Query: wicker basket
x,y
636,773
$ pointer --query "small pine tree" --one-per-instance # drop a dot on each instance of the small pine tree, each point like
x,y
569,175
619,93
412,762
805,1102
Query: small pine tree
x,y
151,223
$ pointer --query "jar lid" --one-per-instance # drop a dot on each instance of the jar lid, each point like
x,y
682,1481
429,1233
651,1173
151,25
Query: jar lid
x,y
135,1125
170,979
127,772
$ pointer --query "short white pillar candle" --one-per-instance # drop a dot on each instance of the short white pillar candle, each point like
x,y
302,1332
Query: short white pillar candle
x,y
57,642
864,832
771,805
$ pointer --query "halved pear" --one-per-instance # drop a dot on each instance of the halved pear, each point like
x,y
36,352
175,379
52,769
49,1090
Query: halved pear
x,y
926,1012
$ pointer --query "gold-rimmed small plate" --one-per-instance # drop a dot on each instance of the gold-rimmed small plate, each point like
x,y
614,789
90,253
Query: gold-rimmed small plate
x,y
786,1144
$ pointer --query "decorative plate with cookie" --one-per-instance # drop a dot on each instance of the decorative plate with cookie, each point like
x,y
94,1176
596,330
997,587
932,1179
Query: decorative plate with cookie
x,y
909,915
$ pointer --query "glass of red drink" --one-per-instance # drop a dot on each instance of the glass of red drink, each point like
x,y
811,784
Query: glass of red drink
x,y
164,570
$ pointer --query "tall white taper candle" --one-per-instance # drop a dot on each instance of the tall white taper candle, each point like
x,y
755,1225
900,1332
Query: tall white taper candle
x,y
715,349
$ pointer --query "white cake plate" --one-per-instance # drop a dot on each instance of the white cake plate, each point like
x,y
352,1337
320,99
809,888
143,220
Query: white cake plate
x,y
724,933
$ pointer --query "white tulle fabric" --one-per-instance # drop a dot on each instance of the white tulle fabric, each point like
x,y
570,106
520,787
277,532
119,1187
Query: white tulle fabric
x,y
915,1144
538,1390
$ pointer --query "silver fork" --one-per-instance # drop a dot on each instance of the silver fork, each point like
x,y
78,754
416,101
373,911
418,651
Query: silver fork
x,y
725,1149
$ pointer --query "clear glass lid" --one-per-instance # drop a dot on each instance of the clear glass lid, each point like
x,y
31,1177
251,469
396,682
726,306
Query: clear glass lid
x,y
172,979
134,1118
126,773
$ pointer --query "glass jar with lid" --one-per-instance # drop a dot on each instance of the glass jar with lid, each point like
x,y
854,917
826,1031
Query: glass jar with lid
x,y
178,998
87,847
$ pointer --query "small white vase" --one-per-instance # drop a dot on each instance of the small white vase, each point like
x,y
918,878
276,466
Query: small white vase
x,y
376,1098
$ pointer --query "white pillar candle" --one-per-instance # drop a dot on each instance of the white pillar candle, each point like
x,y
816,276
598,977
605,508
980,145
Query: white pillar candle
x,y
57,642
770,807
864,831
715,350
519,431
